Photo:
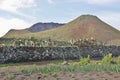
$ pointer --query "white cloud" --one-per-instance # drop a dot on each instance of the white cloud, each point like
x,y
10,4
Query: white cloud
x,y
100,2
50,1
112,18
14,5
14,23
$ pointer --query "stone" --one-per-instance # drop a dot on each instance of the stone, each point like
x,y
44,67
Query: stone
x,y
29,53
65,63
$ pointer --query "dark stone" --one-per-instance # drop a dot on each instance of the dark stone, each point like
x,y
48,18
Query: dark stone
x,y
99,51
24,54
43,26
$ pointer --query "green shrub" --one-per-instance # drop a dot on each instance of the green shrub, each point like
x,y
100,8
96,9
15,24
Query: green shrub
x,y
118,60
54,74
10,76
71,68
29,70
107,59
85,61
44,75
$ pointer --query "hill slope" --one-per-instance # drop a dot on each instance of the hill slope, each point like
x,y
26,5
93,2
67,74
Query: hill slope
x,y
13,33
43,26
85,26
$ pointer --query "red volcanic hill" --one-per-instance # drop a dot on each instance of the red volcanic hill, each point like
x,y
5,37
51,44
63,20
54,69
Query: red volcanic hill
x,y
85,26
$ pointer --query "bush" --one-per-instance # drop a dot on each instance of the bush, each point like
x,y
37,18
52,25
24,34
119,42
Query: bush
x,y
118,60
29,70
107,59
44,75
54,74
76,63
85,61
10,76
70,68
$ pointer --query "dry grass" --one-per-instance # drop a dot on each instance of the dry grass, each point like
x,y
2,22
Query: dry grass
x,y
85,26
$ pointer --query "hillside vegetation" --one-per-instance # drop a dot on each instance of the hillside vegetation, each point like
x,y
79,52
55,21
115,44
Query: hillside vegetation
x,y
85,26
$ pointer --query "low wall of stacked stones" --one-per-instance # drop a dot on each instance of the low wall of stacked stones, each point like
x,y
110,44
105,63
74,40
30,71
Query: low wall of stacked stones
x,y
99,51
24,54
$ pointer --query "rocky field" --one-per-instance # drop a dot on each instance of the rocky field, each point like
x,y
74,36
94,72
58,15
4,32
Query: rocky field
x,y
17,75
56,70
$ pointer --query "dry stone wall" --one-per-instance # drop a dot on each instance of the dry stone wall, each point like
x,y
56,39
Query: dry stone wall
x,y
99,51
24,54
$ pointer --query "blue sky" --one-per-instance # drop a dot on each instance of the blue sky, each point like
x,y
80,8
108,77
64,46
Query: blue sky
x,y
20,14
